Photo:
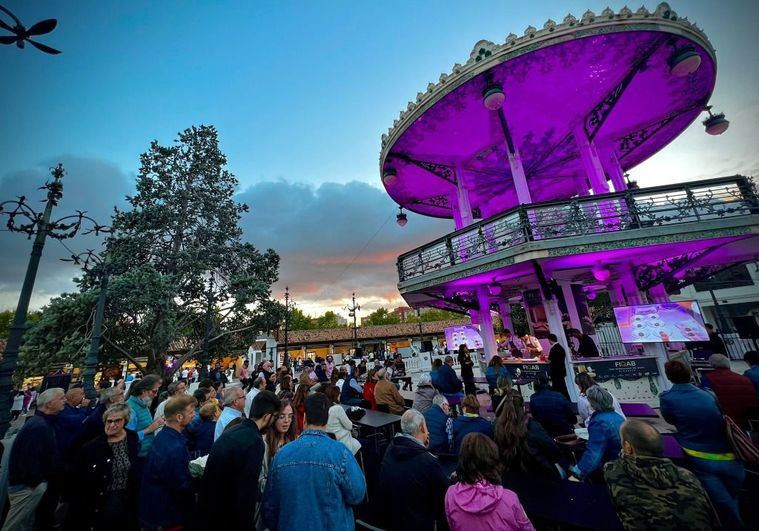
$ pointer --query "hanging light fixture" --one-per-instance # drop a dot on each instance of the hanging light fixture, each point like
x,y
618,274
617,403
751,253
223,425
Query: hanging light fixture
x,y
400,218
684,61
389,176
493,97
591,295
715,124
495,288
601,273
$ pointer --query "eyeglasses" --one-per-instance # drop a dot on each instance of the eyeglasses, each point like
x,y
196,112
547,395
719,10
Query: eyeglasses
x,y
115,421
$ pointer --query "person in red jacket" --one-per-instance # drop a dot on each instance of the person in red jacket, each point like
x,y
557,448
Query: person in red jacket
x,y
371,383
735,393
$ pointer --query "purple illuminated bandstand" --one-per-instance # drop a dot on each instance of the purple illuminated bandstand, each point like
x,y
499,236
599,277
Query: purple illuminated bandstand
x,y
526,147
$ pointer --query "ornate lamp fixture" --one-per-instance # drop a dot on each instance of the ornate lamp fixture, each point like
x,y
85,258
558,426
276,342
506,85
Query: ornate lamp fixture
x,y
684,61
715,124
389,176
601,273
400,217
493,97
495,288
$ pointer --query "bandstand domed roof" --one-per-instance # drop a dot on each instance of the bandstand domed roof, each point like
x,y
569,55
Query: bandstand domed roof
x,y
607,73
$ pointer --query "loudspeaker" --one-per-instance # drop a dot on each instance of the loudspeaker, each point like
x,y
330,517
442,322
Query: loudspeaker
x,y
358,352
426,346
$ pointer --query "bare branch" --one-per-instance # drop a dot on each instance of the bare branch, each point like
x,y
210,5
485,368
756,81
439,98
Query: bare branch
x,y
126,354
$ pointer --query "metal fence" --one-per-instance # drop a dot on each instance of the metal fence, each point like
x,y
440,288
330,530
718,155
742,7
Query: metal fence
x,y
634,209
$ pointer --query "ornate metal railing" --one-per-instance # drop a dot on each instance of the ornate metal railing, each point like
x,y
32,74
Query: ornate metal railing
x,y
633,209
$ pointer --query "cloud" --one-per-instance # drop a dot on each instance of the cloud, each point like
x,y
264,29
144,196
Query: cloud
x,y
334,239
91,185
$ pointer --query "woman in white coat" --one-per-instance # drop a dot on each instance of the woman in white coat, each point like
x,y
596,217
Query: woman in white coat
x,y
339,424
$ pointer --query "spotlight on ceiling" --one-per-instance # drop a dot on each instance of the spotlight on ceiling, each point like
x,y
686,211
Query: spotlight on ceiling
x,y
684,61
389,176
715,124
493,97
495,288
400,218
601,274
591,295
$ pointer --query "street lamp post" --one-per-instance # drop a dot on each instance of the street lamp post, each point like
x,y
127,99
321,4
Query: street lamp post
x,y
286,357
37,225
93,262
352,313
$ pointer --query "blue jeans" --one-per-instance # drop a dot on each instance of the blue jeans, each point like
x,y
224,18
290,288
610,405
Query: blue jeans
x,y
722,481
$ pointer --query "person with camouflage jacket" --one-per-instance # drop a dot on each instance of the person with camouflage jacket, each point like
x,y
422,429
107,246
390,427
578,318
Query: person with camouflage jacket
x,y
649,491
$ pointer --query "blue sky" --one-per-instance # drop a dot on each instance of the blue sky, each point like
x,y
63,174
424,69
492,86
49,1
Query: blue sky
x,y
300,93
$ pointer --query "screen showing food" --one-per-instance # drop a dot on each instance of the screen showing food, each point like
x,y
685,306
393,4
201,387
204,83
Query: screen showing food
x,y
464,334
660,323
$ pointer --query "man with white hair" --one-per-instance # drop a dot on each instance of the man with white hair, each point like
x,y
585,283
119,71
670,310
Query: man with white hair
x,y
424,393
34,461
439,425
735,393
412,483
234,404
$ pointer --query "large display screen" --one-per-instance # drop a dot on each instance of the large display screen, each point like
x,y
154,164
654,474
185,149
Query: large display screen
x,y
660,323
468,335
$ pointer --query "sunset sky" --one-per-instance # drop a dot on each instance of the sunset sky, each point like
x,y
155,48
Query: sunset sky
x,y
301,93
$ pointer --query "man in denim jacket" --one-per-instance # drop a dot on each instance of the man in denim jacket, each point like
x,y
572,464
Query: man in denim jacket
x,y
314,481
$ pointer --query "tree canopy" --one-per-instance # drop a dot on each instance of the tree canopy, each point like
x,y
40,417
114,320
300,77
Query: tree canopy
x,y
182,280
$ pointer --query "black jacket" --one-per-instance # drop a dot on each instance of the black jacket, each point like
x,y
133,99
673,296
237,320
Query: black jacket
x,y
34,456
412,488
230,480
91,475
556,357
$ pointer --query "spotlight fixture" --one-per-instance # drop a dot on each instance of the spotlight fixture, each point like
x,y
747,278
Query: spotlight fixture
x,y
715,124
591,295
684,61
389,176
400,217
495,288
601,274
493,97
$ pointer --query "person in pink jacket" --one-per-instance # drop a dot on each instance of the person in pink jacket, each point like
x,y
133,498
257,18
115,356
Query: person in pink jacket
x,y
478,501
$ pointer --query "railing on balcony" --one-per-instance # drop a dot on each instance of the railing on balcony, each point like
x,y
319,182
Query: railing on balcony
x,y
633,209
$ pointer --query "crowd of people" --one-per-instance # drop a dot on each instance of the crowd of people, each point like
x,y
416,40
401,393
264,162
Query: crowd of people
x,y
283,453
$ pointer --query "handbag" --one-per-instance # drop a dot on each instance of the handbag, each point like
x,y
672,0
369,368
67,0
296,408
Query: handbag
x,y
743,447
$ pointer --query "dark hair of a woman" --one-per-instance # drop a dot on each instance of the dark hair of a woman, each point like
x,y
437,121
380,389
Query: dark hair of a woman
x,y
496,362
478,460
584,381
301,392
511,433
273,443
437,363
333,393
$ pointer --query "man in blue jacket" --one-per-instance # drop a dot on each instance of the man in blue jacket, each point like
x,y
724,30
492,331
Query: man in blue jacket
x,y
313,481
448,382
551,409
439,425
165,496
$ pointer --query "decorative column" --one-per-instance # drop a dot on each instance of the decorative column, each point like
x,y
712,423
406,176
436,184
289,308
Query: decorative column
x,y
462,212
569,300
515,163
614,169
658,294
591,162
635,296
486,324
553,316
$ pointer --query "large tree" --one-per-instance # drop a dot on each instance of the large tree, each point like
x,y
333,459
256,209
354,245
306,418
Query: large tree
x,y
181,280
181,271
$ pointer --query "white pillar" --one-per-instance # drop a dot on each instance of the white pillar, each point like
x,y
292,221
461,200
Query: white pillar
x,y
505,310
616,294
591,162
569,300
658,294
553,316
614,169
486,324
463,207
657,350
